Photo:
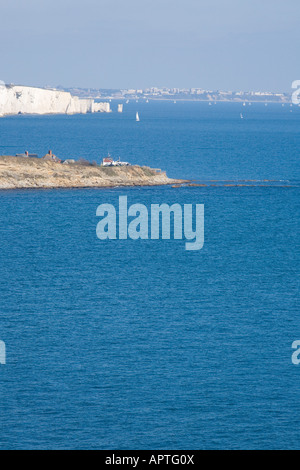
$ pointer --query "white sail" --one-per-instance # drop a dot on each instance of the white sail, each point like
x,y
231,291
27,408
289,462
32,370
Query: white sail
x,y
137,117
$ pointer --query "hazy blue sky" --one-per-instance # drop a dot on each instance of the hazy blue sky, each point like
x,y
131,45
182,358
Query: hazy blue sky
x,y
214,44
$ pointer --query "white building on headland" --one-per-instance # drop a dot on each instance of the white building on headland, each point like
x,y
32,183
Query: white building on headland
x,y
29,100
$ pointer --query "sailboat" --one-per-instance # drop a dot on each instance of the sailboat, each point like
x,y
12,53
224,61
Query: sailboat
x,y
137,117
241,115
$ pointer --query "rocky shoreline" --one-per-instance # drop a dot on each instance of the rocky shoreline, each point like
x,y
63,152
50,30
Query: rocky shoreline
x,y
36,173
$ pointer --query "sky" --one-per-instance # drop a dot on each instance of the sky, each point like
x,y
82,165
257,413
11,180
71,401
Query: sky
x,y
211,44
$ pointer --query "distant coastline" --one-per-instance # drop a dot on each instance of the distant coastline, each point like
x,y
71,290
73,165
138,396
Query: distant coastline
x,y
194,100
180,94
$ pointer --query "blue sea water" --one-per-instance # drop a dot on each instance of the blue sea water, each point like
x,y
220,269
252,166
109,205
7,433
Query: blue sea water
x,y
126,344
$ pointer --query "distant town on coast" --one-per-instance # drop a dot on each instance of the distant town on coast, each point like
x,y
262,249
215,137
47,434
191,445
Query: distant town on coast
x,y
192,94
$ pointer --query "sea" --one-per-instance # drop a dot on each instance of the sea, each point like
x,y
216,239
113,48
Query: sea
x,y
141,344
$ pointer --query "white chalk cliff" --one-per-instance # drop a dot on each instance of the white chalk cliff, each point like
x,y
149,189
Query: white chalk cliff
x,y
29,100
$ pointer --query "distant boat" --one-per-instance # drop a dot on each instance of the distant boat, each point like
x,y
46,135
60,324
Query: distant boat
x,y
137,117
174,102
244,104
147,101
120,108
127,101
209,104
242,117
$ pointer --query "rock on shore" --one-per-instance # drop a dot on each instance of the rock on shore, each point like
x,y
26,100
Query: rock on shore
x,y
20,172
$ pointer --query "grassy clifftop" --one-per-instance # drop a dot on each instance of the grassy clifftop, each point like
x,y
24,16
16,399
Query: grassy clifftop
x,y
19,172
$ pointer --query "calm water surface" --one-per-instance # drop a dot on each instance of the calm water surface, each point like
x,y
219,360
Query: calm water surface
x,y
141,344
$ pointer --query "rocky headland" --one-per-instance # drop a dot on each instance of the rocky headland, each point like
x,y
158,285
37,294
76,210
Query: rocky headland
x,y
21,173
